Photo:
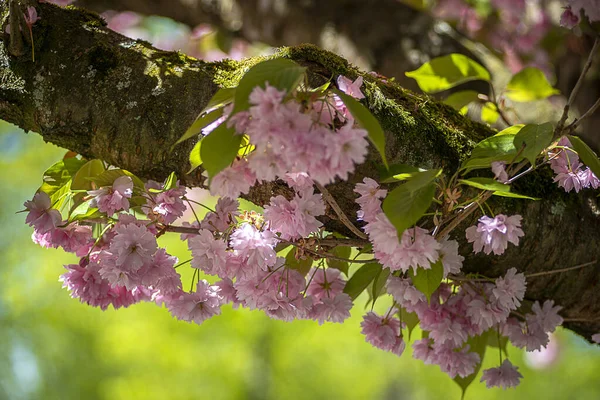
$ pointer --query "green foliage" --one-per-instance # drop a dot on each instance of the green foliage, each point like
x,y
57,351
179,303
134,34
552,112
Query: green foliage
x,y
361,279
301,265
200,123
281,73
108,177
486,184
219,148
378,285
223,97
195,156
460,100
406,204
499,147
533,139
489,113
446,72
366,120
428,280
528,85
341,252
397,172
586,154
477,344
90,169
410,319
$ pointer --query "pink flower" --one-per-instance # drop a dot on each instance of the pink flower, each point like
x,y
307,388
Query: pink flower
x,y
296,218
233,180
335,309
325,283
568,181
351,88
160,273
422,350
510,290
298,180
505,376
498,168
383,333
31,17
370,199
111,199
451,260
568,19
591,8
405,294
133,246
257,247
493,234
41,216
166,206
225,214
209,254
596,337
197,306
455,363
546,315
266,101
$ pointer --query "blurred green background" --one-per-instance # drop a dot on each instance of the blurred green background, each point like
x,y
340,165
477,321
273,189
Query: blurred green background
x,y
54,347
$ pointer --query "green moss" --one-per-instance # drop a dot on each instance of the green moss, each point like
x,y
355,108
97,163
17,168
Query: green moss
x,y
89,18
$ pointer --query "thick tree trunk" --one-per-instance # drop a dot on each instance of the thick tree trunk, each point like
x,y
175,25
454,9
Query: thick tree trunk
x,y
106,96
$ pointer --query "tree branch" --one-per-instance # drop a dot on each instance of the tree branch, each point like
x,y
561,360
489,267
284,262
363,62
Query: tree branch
x,y
106,96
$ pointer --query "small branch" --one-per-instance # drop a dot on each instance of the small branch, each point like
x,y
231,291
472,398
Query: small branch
x,y
558,271
16,46
561,123
329,198
587,114
468,210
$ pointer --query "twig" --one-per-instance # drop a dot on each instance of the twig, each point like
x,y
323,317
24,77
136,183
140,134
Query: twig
x,y
557,271
329,198
468,210
561,123
588,113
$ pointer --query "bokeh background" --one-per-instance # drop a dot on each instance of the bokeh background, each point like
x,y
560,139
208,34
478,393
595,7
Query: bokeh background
x,y
53,347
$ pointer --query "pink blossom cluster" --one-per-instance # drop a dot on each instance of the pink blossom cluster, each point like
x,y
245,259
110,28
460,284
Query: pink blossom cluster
x,y
417,248
493,234
318,139
571,174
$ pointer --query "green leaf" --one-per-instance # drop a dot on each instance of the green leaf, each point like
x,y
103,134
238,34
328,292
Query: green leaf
x,y
528,85
281,73
514,195
377,288
108,177
428,280
222,97
406,204
446,72
301,265
586,154
460,100
219,149
499,147
200,123
89,170
342,252
489,113
477,344
493,337
60,174
366,120
535,138
396,172
410,319
84,211
361,279
486,184
195,158
170,182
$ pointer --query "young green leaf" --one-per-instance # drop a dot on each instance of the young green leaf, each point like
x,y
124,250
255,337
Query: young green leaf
x,y
460,100
109,176
476,344
60,173
485,184
222,97
170,182
447,72
301,265
200,123
410,319
84,211
586,154
195,158
489,113
281,73
397,172
89,170
366,120
406,204
514,195
534,138
428,280
342,252
499,147
528,85
377,288
219,149
361,279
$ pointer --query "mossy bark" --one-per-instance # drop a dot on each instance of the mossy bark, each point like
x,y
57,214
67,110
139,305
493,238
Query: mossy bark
x,y
106,96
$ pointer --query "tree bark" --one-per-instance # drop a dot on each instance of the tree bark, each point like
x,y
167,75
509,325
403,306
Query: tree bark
x,y
106,96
